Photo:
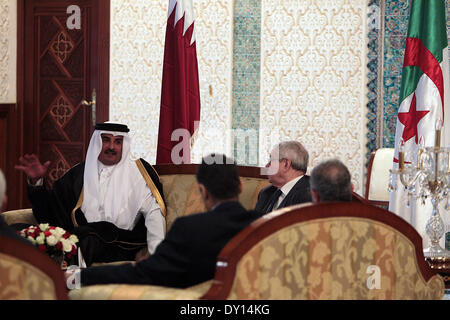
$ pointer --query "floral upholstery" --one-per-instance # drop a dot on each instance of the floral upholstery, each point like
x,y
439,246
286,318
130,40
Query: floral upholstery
x,y
183,197
138,292
181,194
19,216
329,259
20,280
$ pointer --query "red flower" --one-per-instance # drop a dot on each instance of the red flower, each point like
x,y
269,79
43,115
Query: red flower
x,y
66,235
74,250
42,247
47,233
59,245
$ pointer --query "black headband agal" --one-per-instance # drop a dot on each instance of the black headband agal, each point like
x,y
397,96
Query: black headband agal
x,y
112,127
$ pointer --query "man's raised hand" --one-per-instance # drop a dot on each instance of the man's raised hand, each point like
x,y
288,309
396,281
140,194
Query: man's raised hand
x,y
32,167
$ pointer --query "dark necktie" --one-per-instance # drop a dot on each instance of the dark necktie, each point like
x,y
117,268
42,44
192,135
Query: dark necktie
x,y
273,200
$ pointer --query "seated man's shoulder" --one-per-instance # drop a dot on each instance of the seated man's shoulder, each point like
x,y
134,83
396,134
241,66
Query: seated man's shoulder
x,y
149,168
268,190
200,216
74,172
79,166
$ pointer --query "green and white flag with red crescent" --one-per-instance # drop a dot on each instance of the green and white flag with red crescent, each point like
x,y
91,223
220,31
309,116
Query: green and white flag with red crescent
x,y
424,100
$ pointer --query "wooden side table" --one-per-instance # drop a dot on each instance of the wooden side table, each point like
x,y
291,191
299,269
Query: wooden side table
x,y
442,266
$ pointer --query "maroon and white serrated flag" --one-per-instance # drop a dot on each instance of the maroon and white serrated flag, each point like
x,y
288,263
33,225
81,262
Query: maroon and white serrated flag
x,y
180,94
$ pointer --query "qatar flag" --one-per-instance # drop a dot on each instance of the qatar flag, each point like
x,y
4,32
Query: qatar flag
x,y
180,94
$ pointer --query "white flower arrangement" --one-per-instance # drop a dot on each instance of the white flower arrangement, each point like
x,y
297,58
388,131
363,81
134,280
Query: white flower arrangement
x,y
51,239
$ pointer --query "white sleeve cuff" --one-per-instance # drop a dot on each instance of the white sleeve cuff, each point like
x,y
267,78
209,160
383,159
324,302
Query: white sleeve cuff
x,y
38,183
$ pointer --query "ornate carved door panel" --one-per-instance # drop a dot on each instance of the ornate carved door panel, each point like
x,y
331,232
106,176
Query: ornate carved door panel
x,y
63,63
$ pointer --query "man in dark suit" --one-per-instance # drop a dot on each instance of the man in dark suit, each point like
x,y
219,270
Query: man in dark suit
x,y
6,230
187,256
287,173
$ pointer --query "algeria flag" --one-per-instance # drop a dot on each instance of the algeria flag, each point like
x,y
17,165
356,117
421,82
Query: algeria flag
x,y
424,99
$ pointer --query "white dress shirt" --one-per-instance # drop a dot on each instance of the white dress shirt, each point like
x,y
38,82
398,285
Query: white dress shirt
x,y
150,209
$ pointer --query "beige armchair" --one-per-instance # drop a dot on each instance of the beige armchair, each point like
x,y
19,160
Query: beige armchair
x,y
381,160
344,250
28,274
182,197
180,192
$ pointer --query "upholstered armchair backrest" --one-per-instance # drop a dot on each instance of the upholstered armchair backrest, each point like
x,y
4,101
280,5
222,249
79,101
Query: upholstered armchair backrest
x,y
326,251
381,160
182,194
19,216
26,273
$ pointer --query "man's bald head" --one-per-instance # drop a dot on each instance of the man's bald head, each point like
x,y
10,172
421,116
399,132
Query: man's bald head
x,y
331,181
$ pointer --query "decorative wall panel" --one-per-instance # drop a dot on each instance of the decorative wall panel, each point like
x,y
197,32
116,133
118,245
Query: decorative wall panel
x,y
396,26
375,76
137,47
214,34
246,79
136,55
313,79
60,85
8,50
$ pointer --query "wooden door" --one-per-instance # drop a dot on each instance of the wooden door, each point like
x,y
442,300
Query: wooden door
x,y
62,64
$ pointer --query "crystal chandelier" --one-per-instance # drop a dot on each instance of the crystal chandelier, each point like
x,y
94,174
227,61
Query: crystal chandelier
x,y
427,179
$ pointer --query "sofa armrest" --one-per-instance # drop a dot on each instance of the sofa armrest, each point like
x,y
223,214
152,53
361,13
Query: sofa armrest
x,y
139,292
19,216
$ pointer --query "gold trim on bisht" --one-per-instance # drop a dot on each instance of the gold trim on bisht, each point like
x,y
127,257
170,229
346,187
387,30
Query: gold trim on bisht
x,y
147,179
152,186
78,205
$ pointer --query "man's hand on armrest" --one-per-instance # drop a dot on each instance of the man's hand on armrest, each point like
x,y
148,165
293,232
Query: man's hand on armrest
x,y
73,277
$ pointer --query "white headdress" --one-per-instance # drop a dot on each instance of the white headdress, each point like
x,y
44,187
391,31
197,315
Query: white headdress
x,y
126,189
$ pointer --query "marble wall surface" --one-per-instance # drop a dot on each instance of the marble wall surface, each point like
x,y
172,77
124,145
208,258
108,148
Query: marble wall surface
x,y
324,72
8,50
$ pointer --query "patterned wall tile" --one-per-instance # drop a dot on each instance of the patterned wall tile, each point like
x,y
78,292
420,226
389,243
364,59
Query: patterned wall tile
x,y
246,78
396,27
8,49
137,49
313,79
374,75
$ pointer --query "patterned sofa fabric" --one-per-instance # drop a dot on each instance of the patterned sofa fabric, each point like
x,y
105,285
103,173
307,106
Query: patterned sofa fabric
x,y
20,280
181,194
26,273
19,216
326,252
138,292
333,259
183,197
